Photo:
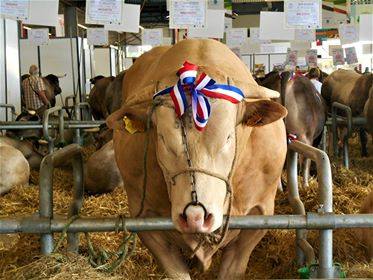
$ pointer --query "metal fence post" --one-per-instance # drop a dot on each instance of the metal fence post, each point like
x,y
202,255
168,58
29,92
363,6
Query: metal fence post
x,y
46,135
12,109
71,152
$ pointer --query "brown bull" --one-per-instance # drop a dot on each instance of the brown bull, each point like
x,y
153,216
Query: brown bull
x,y
243,142
351,89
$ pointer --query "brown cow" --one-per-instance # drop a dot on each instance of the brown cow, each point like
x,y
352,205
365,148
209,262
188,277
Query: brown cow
x,y
351,89
246,140
97,96
368,112
306,110
101,174
306,115
366,235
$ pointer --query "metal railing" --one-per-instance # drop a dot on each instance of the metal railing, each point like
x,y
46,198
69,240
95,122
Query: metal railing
x,y
347,121
12,110
325,220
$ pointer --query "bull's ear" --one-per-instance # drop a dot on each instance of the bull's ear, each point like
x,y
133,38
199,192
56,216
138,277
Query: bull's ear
x,y
137,115
262,112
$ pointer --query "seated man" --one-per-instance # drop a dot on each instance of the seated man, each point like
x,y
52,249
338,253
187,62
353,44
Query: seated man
x,y
34,92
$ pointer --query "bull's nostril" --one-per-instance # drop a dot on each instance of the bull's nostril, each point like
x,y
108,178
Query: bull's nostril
x,y
183,217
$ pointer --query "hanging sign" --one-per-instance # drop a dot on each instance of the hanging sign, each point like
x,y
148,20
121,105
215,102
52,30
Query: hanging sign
x,y
305,14
152,37
348,33
187,13
292,58
255,36
130,20
214,27
97,36
338,58
235,37
103,11
351,56
307,35
38,37
15,9
60,27
215,4
311,58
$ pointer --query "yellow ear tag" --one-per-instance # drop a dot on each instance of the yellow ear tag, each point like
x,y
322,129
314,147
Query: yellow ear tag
x,y
133,126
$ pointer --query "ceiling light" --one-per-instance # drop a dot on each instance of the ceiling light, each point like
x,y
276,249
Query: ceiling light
x,y
82,26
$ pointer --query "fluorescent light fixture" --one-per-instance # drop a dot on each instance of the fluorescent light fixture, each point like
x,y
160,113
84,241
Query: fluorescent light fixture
x,y
26,27
142,28
82,26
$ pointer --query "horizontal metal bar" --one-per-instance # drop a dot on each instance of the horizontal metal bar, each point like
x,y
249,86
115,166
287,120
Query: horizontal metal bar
x,y
35,224
356,121
52,124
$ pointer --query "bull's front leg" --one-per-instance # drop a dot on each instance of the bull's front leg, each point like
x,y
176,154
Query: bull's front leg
x,y
166,254
237,254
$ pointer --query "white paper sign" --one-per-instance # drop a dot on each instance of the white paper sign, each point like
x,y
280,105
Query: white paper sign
x,y
338,58
15,9
187,13
236,37
366,27
302,14
97,36
348,33
152,37
214,26
272,27
103,11
215,4
38,37
255,36
311,58
351,56
60,27
130,20
292,58
43,13
307,35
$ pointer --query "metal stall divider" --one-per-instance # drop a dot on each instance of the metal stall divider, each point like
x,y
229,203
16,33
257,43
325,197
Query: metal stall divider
x,y
325,220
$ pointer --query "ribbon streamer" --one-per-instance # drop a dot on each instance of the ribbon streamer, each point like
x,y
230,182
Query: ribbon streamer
x,y
200,90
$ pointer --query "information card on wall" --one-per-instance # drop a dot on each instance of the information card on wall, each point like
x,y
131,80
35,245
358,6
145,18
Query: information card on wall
x,y
351,56
304,14
235,37
311,58
103,11
97,36
292,58
38,37
337,54
348,33
305,35
187,13
15,9
152,37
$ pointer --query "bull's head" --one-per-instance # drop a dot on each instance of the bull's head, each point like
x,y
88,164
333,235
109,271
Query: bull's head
x,y
211,153
55,83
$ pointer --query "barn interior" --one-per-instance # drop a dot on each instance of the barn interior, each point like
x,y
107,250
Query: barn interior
x,y
68,214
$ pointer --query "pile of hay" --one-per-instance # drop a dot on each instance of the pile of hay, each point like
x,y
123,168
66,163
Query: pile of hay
x,y
274,257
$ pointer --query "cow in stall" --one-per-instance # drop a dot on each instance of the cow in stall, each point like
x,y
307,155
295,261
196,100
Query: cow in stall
x,y
306,110
240,152
97,97
351,89
33,151
368,112
14,168
101,173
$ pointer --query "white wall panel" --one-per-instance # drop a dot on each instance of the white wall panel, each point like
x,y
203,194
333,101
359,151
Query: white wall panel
x,y
2,68
28,55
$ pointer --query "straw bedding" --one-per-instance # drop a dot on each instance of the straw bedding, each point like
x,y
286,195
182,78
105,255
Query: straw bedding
x,y
274,257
